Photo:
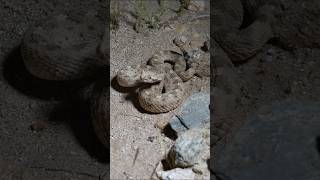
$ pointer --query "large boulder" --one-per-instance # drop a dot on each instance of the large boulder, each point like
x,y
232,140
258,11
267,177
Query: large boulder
x,y
279,142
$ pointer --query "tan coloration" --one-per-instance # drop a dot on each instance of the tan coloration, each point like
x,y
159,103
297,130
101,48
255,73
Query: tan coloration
x,y
129,76
169,93
202,65
197,60
164,96
132,76
180,66
155,100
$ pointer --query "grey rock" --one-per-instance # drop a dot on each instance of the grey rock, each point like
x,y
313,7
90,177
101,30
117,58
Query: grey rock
x,y
280,142
200,168
187,149
194,113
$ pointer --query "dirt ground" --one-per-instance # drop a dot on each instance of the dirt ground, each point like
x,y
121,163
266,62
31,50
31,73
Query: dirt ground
x,y
67,147
131,128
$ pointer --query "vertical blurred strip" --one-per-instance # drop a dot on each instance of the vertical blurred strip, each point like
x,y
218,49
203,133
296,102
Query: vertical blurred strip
x,y
212,81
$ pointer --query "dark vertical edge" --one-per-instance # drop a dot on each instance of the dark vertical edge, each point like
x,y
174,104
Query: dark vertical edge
x,y
107,75
107,36
212,65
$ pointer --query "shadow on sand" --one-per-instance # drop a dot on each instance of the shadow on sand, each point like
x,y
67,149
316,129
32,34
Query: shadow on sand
x,y
72,109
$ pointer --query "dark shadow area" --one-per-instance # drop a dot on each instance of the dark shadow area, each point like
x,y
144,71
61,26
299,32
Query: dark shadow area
x,y
276,42
247,19
100,107
74,107
221,176
76,114
208,165
16,74
318,144
169,132
165,165
273,41
210,169
240,63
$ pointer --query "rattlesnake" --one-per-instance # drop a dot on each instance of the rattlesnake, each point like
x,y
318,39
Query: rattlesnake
x,y
47,62
64,49
170,91
73,56
154,99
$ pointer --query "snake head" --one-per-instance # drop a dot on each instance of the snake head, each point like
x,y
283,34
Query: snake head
x,y
129,76
192,55
151,74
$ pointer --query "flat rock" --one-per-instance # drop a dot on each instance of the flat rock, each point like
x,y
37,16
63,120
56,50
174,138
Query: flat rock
x,y
194,112
280,142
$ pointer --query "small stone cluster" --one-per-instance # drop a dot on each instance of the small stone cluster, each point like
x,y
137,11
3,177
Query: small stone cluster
x,y
190,152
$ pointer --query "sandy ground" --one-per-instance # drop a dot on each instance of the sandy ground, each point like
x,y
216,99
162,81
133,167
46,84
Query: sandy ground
x,y
131,128
67,147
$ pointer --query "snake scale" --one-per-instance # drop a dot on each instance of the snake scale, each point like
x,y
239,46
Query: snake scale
x,y
167,90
